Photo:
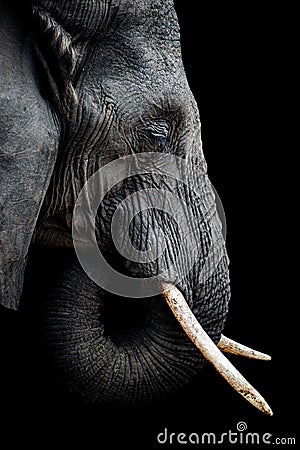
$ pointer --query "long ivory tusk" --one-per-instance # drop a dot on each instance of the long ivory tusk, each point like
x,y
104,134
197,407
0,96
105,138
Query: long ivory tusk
x,y
209,350
229,346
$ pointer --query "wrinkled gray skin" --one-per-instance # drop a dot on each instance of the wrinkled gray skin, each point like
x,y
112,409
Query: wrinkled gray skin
x,y
81,84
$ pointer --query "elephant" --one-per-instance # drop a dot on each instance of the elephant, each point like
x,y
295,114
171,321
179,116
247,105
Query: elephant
x,y
98,87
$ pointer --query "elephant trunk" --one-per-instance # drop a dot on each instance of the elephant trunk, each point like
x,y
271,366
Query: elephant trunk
x,y
118,351
112,350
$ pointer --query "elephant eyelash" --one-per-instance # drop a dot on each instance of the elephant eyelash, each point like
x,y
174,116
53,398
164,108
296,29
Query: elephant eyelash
x,y
159,128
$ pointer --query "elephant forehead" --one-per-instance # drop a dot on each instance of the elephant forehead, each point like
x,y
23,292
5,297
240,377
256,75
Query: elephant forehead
x,y
120,45
139,61
89,18
137,90
141,45
154,21
138,69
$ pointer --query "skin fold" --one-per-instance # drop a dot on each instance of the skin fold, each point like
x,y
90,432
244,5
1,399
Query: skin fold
x,y
87,83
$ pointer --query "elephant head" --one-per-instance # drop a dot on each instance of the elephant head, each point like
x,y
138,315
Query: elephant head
x,y
101,154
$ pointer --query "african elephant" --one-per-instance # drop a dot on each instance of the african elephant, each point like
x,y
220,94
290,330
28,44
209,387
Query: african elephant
x,y
86,86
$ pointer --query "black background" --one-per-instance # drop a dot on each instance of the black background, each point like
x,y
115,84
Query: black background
x,y
237,62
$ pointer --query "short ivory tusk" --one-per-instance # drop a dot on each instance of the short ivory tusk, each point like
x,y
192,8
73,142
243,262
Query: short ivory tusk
x,y
209,350
229,346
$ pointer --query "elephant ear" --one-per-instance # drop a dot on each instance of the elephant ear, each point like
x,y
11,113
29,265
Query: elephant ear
x,y
28,147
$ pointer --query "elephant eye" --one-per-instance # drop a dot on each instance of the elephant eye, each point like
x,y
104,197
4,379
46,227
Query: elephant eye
x,y
159,139
158,133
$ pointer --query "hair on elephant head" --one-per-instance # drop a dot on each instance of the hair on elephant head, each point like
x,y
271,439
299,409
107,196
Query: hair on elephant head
x,y
104,185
